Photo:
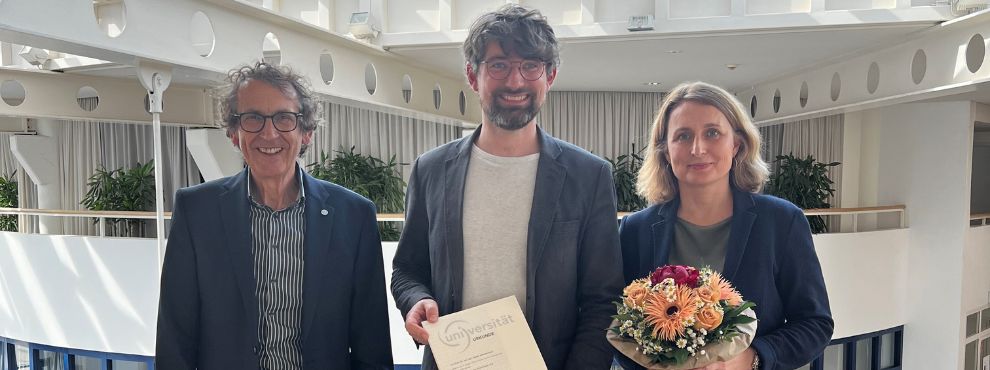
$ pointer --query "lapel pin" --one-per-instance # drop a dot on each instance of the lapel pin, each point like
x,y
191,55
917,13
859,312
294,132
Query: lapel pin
x,y
324,212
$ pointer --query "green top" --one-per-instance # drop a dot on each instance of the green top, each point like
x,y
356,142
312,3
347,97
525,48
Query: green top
x,y
700,246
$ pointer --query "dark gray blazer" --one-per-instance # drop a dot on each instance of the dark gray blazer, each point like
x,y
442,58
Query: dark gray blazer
x,y
208,311
574,268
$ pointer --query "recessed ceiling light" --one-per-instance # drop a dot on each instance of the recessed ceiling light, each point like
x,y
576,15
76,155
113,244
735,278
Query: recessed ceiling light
x,y
651,83
674,51
731,67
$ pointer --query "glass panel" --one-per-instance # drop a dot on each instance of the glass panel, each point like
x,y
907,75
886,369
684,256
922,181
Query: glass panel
x,y
87,363
970,359
863,353
985,353
986,320
887,350
972,324
21,353
129,365
51,360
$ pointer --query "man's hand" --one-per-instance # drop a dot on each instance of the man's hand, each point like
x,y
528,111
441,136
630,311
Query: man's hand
x,y
743,361
424,310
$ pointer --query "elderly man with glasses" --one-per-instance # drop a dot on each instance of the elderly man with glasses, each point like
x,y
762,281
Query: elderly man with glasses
x,y
271,268
512,211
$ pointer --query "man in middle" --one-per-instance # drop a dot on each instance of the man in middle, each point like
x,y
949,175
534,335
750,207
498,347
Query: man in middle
x,y
511,210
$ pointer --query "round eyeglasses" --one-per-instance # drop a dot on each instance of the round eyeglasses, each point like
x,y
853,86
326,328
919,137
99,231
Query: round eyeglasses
x,y
254,122
531,70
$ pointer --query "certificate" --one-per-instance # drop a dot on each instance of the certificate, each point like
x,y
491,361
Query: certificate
x,y
492,336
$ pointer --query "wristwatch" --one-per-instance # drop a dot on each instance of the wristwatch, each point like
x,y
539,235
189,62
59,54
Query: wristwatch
x,y
756,361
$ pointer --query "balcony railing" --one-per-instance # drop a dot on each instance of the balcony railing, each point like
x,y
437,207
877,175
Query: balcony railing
x,y
102,216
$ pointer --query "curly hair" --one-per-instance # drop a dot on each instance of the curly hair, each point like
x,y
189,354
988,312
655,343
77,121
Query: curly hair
x,y
526,31
291,84
656,181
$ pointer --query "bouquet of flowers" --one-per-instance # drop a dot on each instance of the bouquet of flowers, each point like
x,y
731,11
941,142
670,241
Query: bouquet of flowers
x,y
680,317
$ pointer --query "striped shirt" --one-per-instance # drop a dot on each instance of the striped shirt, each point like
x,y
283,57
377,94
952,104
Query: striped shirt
x,y
277,247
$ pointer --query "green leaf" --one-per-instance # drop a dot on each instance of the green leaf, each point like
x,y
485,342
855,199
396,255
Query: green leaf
x,y
122,190
803,182
371,177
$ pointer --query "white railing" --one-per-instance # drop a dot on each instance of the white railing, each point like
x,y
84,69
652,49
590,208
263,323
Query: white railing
x,y
399,217
854,212
101,215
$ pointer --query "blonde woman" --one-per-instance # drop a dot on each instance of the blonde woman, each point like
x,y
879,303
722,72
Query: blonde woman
x,y
702,174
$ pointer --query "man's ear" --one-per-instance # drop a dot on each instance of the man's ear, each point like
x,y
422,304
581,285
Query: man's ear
x,y
552,75
472,76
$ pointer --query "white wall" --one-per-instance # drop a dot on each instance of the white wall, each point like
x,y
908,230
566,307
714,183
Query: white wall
x,y
620,11
413,15
101,294
925,163
863,304
464,12
97,294
976,269
315,12
558,12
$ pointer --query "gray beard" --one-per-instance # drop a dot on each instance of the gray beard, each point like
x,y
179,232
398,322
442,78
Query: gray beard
x,y
511,119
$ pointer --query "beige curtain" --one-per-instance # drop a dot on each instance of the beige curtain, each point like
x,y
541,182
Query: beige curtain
x,y
85,146
605,123
819,137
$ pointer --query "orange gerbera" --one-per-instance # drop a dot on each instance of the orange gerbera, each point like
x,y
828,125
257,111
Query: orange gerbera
x,y
668,316
728,293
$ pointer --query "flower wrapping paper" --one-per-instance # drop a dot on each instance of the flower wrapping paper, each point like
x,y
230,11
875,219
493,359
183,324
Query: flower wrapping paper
x,y
714,352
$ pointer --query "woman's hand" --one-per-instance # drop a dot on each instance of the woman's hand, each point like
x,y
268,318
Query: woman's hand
x,y
743,361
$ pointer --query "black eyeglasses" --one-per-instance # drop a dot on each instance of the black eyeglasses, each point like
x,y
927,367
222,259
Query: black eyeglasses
x,y
531,70
254,122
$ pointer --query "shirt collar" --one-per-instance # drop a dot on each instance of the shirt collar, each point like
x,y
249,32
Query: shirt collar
x,y
299,180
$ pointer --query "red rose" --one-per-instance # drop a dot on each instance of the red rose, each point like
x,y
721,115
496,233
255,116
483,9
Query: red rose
x,y
682,275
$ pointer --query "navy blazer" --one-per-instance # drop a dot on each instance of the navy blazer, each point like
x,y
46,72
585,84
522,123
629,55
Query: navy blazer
x,y
770,259
573,268
208,311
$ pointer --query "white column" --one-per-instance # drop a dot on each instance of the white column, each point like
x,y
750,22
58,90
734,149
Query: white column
x,y
851,149
925,152
38,155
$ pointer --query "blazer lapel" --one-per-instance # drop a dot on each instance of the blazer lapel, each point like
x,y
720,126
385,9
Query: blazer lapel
x,y
663,236
237,229
316,244
743,217
550,177
455,173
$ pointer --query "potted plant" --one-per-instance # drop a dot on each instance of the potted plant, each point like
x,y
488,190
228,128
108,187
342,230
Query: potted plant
x,y
371,177
122,190
625,169
8,199
805,183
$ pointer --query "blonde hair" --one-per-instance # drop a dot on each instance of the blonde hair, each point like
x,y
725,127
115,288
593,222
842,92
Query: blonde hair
x,y
656,181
